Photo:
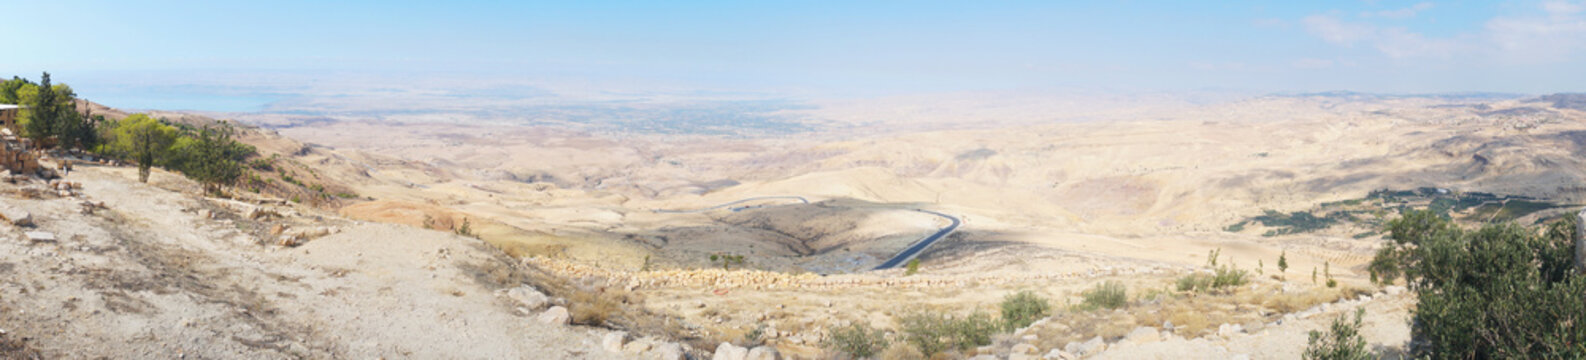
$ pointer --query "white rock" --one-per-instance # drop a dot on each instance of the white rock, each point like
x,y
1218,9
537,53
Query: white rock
x,y
556,315
528,297
613,341
763,353
1393,290
984,357
668,351
728,351
1089,347
1239,357
1227,330
1058,354
40,236
639,346
17,217
1143,335
1024,349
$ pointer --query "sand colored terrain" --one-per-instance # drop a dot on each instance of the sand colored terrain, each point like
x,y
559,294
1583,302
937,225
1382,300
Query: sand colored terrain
x,y
158,273
1055,196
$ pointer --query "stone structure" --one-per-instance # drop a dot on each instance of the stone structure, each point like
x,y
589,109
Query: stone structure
x,y
14,154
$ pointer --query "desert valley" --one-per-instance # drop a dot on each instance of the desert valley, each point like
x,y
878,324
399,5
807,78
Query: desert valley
x,y
697,240
764,180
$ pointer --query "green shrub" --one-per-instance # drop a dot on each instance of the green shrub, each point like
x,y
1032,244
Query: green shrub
x,y
1221,277
1503,291
913,267
857,340
1229,276
1195,282
1022,308
1341,342
932,333
1109,295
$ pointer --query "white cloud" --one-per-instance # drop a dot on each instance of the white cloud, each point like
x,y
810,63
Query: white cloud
x,y
1404,13
1335,31
1554,37
1558,34
1395,42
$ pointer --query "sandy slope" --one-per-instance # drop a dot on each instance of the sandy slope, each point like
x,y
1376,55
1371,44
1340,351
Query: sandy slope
x,y
154,276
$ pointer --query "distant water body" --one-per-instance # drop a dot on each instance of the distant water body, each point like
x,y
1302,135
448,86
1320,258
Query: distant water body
x,y
183,101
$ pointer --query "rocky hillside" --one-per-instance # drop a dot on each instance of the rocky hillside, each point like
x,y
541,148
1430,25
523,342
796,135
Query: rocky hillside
x,y
106,267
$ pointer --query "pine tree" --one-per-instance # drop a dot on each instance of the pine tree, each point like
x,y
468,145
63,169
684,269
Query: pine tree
x,y
41,112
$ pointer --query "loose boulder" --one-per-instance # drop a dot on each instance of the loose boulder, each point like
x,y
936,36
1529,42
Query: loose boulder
x,y
1144,335
728,351
17,217
613,341
763,353
668,351
556,315
528,297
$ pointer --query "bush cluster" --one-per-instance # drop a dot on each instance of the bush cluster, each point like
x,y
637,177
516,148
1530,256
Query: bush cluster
x,y
1502,291
1110,294
934,333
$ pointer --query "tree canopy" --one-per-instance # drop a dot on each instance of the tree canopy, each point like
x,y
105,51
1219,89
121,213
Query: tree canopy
x,y
141,140
1502,291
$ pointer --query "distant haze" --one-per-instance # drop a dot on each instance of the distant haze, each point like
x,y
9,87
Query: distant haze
x,y
243,56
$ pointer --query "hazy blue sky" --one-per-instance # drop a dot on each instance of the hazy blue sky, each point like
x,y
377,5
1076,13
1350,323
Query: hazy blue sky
x,y
809,47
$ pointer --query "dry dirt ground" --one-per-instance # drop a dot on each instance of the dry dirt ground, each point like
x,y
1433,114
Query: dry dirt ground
x,y
158,273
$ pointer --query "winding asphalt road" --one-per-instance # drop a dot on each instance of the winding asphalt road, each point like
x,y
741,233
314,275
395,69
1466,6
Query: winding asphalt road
x,y
914,250
902,257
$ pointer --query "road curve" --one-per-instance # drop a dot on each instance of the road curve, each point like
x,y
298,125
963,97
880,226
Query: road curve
x,y
800,199
914,250
902,257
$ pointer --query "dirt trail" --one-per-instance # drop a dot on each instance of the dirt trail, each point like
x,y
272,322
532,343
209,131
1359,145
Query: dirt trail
x,y
161,274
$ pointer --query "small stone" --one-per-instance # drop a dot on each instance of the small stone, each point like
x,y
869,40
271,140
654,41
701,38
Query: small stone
x,y
638,347
1393,290
728,351
528,297
40,236
556,315
1144,335
17,217
1089,347
1024,349
668,351
1228,330
1057,354
763,353
613,341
